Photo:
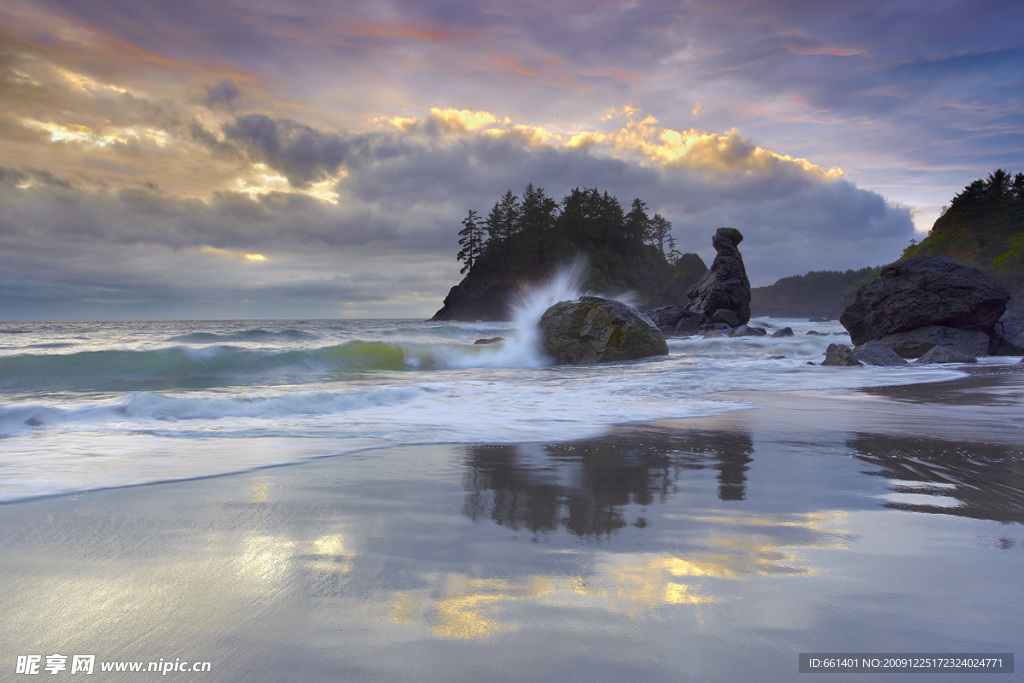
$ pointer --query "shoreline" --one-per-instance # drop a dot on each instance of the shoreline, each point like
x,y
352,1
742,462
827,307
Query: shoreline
x,y
975,377
707,548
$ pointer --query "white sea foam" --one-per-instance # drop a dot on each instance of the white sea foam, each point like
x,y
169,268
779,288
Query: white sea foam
x,y
329,387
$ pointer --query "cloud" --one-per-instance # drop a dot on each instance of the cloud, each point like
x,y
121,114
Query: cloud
x,y
400,193
340,138
303,154
223,94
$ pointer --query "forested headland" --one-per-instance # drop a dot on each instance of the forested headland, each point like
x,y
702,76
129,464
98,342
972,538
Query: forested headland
x,y
523,239
984,226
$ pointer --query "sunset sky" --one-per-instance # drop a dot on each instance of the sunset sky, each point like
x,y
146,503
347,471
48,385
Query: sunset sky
x,y
286,159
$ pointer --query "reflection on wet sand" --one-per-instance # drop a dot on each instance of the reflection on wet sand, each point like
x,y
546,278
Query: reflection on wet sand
x,y
983,481
583,487
633,585
594,489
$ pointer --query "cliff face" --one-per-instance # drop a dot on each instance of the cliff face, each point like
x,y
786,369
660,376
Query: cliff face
x,y
483,298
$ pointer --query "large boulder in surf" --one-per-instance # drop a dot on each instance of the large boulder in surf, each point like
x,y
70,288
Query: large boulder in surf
x,y
724,291
925,291
596,330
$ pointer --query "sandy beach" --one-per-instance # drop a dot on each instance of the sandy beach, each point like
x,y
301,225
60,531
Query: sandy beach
x,y
709,549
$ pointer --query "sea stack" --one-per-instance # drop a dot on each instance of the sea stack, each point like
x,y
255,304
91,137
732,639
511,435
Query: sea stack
x,y
723,294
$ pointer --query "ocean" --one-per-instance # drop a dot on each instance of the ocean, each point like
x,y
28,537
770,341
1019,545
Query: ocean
x,y
719,514
91,405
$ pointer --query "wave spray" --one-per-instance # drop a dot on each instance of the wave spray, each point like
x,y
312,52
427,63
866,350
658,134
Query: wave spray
x,y
565,285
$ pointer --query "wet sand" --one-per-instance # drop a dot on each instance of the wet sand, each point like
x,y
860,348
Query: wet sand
x,y
710,549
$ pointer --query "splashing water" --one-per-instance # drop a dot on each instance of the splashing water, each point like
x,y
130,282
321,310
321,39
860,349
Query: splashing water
x,y
565,285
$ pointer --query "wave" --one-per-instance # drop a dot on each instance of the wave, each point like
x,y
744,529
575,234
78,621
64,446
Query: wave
x,y
148,406
185,367
242,336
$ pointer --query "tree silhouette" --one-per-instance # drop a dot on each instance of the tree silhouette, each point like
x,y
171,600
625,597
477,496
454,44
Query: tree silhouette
x,y
661,236
471,239
526,237
637,226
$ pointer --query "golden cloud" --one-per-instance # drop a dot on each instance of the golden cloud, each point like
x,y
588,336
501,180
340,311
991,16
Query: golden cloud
x,y
464,119
695,149
231,254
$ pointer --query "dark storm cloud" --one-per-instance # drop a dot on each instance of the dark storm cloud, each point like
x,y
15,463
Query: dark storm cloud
x,y
302,154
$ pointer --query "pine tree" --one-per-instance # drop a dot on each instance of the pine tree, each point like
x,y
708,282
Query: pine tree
x,y
1017,186
673,254
998,184
638,223
661,234
471,239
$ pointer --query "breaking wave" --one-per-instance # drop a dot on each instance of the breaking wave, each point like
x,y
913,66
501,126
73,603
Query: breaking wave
x,y
255,335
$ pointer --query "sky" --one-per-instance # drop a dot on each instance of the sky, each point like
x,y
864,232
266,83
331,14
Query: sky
x,y
314,158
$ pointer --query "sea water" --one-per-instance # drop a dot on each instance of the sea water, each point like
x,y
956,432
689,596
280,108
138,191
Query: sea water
x,y
87,405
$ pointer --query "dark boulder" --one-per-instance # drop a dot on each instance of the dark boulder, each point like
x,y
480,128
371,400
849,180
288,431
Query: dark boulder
x,y
1008,336
748,331
725,316
675,320
916,343
872,353
689,324
839,354
667,316
724,289
944,354
784,332
596,330
877,353
925,291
